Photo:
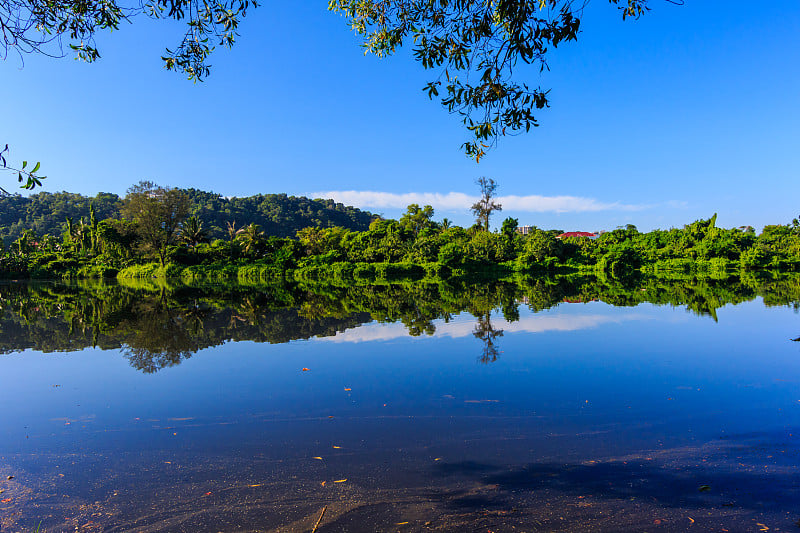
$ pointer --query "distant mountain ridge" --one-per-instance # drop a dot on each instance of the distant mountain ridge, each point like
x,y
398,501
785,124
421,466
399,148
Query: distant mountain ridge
x,y
280,215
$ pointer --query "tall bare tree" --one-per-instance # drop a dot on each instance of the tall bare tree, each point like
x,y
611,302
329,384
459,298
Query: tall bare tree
x,y
483,208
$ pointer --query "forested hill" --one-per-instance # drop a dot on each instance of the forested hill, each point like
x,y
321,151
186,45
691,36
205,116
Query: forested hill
x,y
277,214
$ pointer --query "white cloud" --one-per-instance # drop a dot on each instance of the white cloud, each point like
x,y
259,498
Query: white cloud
x,y
456,201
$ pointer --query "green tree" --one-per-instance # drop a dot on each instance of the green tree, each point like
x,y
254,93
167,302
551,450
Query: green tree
x,y
192,232
251,237
417,218
116,238
93,227
483,208
158,213
509,228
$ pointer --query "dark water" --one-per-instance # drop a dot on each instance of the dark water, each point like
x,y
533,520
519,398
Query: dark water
x,y
498,407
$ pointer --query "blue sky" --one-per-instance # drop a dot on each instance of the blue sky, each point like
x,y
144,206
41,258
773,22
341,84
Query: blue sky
x,y
689,111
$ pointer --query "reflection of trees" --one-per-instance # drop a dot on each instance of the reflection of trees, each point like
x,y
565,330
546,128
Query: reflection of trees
x,y
162,337
158,327
485,332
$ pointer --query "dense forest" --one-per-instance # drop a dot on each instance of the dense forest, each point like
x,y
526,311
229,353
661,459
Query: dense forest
x,y
277,214
172,233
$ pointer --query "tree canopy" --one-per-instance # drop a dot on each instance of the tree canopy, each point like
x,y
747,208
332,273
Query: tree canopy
x,y
278,215
474,46
36,26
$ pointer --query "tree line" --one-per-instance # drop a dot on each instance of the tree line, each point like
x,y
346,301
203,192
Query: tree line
x,y
280,215
164,232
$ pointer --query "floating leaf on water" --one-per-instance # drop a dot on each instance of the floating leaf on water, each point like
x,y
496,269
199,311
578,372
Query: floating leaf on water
x,y
348,389
323,483
10,477
305,369
6,500
340,480
337,447
317,458
256,485
704,488
690,519
762,526
401,523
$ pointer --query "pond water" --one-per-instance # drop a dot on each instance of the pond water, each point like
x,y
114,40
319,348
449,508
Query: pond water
x,y
496,407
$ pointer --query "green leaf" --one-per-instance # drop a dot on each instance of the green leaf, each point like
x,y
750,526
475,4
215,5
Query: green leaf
x,y
36,167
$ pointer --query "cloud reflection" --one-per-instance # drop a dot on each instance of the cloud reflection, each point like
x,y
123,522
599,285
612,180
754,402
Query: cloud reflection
x,y
463,326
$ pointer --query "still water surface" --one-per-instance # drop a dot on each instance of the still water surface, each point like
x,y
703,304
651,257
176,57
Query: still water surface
x,y
580,416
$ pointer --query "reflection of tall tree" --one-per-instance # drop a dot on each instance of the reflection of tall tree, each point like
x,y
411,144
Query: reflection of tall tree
x,y
486,333
160,338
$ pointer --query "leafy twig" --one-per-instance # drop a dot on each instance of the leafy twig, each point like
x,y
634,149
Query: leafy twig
x,y
28,177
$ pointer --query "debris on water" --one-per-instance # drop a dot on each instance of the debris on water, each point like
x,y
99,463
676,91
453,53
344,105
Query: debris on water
x,y
319,519
10,478
340,480
704,488
305,369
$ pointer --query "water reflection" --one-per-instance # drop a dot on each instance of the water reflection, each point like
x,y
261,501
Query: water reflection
x,y
590,418
488,335
157,327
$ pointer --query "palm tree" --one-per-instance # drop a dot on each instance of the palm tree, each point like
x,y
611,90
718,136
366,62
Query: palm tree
x,y
232,230
23,242
251,237
192,232
70,229
80,234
